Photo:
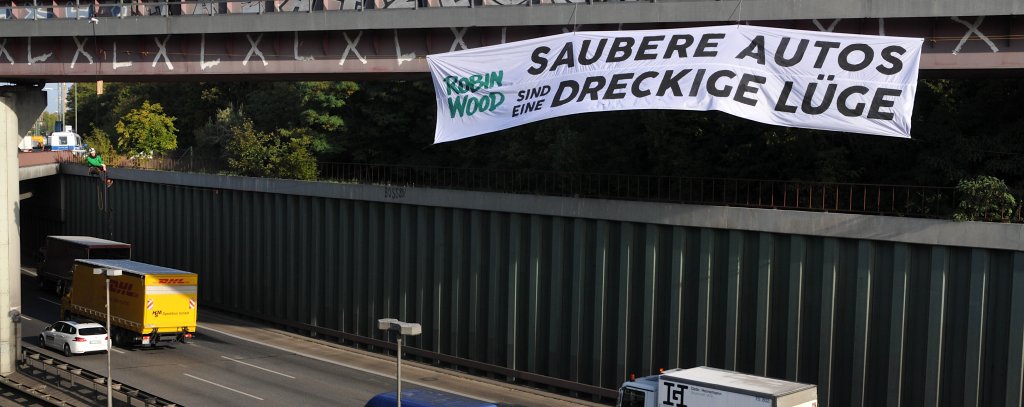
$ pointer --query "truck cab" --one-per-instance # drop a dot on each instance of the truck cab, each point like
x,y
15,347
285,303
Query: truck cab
x,y
710,387
635,393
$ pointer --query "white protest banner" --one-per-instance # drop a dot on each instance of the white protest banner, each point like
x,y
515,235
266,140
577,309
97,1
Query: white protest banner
x,y
818,80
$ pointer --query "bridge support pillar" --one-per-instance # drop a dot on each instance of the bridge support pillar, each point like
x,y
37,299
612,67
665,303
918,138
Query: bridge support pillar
x,y
20,106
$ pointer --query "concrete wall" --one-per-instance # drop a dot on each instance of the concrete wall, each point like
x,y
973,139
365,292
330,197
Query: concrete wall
x,y
876,311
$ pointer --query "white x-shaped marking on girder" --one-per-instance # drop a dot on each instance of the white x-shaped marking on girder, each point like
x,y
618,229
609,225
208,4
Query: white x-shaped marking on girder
x,y
830,26
3,51
254,49
162,46
351,47
459,35
80,50
972,29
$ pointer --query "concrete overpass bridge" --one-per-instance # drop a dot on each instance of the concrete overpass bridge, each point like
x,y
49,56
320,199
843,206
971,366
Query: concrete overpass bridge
x,y
333,39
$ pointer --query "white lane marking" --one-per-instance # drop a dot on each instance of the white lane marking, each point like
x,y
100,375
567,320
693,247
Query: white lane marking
x,y
353,367
51,302
223,386
26,318
260,368
115,350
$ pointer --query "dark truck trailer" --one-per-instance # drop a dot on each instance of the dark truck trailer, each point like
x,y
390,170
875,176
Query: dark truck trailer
x,y
61,252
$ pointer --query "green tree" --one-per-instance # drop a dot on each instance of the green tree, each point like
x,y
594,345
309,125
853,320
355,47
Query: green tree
x,y
213,138
278,154
147,130
101,142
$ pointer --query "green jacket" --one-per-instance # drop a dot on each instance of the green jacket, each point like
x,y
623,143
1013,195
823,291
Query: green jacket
x,y
96,161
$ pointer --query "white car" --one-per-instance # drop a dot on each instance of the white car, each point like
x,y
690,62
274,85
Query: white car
x,y
75,337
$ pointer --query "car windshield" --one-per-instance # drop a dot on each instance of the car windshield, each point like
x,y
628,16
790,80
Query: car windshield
x,y
92,331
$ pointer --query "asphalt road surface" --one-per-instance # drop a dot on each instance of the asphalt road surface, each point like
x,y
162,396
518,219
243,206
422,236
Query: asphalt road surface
x,y
236,363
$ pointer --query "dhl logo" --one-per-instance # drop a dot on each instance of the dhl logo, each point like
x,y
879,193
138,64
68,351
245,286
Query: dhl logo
x,y
123,288
172,281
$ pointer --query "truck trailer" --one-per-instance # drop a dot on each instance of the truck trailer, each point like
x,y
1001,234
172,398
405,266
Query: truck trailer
x,y
149,305
61,252
710,387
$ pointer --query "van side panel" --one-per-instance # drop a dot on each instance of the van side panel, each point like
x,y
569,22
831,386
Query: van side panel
x,y
88,297
60,257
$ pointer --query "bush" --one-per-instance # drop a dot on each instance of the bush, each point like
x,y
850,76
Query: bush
x,y
984,198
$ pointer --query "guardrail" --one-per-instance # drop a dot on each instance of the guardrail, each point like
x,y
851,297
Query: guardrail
x,y
77,9
81,377
25,395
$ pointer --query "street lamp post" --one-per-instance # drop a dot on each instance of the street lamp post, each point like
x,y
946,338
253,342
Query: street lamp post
x,y
108,273
401,328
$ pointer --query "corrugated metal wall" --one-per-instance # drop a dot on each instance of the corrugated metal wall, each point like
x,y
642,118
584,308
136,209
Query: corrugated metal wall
x,y
873,323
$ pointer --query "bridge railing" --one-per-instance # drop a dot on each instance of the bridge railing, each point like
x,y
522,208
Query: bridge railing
x,y
77,9
880,199
877,199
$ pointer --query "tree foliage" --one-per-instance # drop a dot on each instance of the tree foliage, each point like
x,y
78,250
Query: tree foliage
x,y
962,128
278,154
984,198
213,138
146,130
101,142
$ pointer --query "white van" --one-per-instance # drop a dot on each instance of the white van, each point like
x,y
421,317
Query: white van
x,y
66,140
28,144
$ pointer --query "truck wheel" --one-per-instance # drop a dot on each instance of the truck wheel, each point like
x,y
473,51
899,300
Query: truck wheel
x,y
118,338
67,350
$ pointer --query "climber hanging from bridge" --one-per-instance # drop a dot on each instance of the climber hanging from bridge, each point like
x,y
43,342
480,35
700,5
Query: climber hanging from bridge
x,y
97,167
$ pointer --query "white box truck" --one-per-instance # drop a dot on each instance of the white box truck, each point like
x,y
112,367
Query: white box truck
x,y
710,387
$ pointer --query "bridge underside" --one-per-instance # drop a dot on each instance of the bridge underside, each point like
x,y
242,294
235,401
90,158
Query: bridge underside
x,y
951,44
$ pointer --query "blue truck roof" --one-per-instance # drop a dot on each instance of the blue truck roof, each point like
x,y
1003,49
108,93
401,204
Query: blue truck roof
x,y
426,398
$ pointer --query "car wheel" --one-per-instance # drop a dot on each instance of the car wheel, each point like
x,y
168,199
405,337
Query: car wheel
x,y
42,341
67,350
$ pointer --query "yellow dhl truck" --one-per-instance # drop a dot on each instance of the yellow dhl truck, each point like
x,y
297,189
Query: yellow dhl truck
x,y
149,305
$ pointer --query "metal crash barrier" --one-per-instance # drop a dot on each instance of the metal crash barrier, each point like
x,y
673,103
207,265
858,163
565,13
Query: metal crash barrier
x,y
79,378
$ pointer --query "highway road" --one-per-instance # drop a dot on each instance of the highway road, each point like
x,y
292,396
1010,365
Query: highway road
x,y
235,363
